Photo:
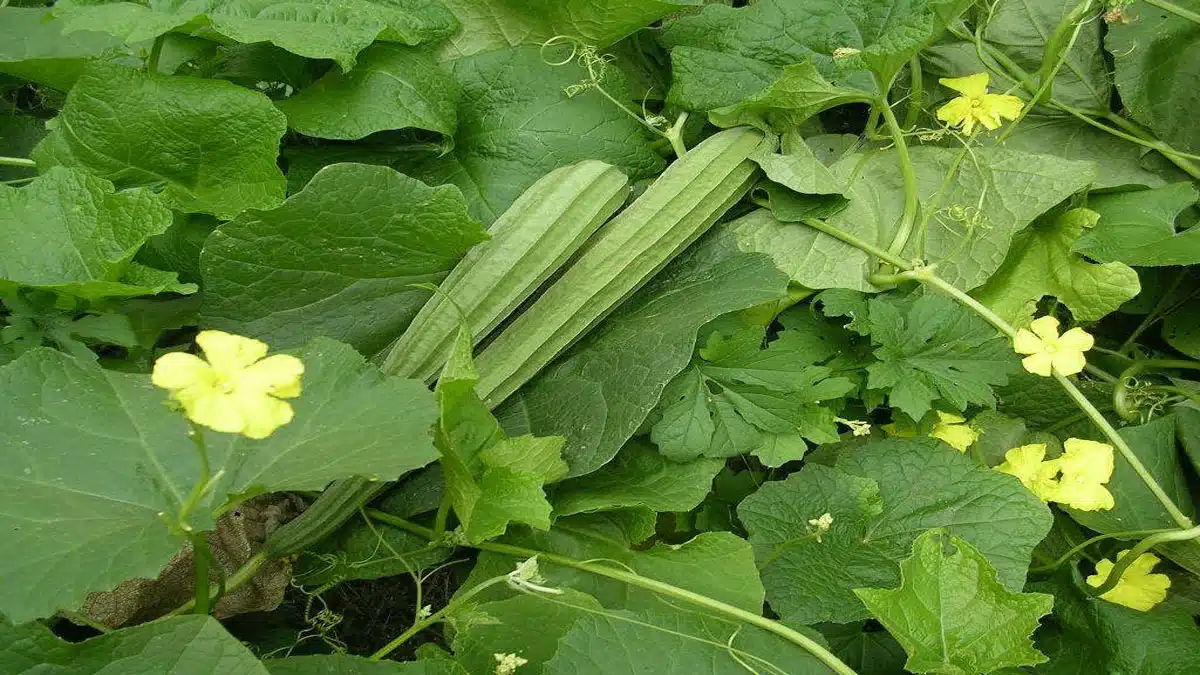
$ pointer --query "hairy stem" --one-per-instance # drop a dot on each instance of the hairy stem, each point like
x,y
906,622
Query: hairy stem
x,y
239,578
1134,553
858,243
1121,389
916,92
1079,548
201,557
437,616
18,161
682,594
909,217
155,53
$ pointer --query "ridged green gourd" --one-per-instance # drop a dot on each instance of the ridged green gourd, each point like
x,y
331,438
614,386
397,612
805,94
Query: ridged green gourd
x,y
530,241
680,206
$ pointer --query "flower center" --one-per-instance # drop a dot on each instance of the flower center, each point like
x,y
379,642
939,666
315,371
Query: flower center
x,y
1051,348
225,385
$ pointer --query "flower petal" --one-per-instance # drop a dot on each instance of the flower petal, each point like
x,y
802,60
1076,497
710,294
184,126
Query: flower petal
x,y
1024,462
971,86
1068,362
278,375
179,370
1045,327
1076,339
1084,496
950,418
1090,460
1026,342
1039,364
229,353
957,111
958,436
215,410
1002,105
263,414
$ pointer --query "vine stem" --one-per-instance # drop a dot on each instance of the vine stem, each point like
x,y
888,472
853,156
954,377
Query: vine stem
x,y
1121,389
422,624
1176,10
155,53
1114,576
909,217
201,557
239,578
1075,550
18,161
793,636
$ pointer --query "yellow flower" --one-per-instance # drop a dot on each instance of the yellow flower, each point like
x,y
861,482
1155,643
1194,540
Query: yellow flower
x,y
236,390
1085,467
953,430
976,105
1036,475
1048,351
1137,588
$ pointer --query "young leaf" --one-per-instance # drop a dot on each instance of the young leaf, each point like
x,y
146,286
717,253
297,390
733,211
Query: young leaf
x,y
339,258
600,391
321,29
515,124
1138,228
112,462
1041,263
881,495
191,645
951,614
638,476
139,129
75,234
393,87
935,350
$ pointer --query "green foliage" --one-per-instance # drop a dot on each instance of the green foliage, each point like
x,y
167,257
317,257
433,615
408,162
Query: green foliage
x,y
32,47
1138,228
951,614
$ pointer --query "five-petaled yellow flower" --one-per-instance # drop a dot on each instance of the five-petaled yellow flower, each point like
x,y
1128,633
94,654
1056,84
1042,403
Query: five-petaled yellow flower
x,y
976,105
1137,588
1076,479
950,428
236,390
1050,352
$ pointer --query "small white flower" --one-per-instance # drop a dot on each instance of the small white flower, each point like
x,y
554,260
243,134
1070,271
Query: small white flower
x,y
843,52
425,612
528,579
507,664
821,525
857,427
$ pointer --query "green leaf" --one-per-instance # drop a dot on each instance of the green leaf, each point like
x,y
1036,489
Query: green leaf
x,y
1155,56
1021,30
318,29
599,393
686,428
112,457
339,258
491,480
881,495
677,642
935,350
1093,636
1138,228
951,614
1118,162
723,56
527,625
971,219
489,25
865,648
1041,263
393,87
33,47
638,476
717,564
516,124
797,94
345,664
1181,329
74,233
139,129
182,645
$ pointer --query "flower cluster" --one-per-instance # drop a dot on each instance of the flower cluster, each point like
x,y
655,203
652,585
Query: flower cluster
x,y
1077,478
1137,588
236,388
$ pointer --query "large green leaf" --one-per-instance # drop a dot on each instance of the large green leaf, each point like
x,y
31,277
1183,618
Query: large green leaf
x,y
717,564
392,87
73,233
1041,263
797,94
723,56
1118,162
881,496
182,645
33,47
85,511
1138,228
600,391
528,625
488,25
969,222
1021,29
951,614
638,476
318,29
516,124
935,350
139,129
345,664
339,258
1088,635
680,642
1157,60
